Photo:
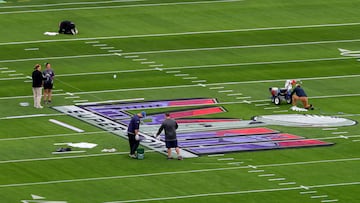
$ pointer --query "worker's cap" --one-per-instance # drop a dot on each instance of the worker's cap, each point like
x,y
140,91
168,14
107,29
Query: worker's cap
x,y
143,114
293,82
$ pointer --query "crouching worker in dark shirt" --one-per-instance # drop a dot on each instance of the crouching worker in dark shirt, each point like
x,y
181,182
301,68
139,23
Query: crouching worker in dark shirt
x,y
299,94
170,126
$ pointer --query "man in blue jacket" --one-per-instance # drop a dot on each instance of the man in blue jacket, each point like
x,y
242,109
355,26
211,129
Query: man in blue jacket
x,y
133,133
299,94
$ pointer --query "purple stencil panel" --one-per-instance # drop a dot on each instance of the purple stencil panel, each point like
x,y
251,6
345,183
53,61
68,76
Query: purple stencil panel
x,y
253,147
113,114
238,139
130,106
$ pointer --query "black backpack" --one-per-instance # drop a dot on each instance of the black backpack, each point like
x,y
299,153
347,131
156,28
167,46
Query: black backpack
x,y
67,27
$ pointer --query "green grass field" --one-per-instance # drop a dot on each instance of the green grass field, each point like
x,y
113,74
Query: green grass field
x,y
245,46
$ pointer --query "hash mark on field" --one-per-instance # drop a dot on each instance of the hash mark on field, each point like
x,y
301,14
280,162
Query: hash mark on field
x,y
288,183
356,140
4,68
269,108
8,71
225,159
115,50
107,47
329,129
31,49
196,81
276,179
148,62
190,78
318,196
243,97
173,71
255,171
92,42
262,104
57,90
181,75
99,45
214,155
225,91
156,65
266,175
216,88
235,94
16,74
131,57
308,192
72,97
330,200
335,133
280,111
28,81
235,163
251,166
142,59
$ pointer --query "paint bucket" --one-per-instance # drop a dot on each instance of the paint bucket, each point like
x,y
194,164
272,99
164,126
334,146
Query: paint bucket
x,y
140,153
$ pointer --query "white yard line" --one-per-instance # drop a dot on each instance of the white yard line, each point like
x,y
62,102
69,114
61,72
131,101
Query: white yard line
x,y
31,116
120,6
65,125
188,33
229,193
70,3
54,135
56,57
181,172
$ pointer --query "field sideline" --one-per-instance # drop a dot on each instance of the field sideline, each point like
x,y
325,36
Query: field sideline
x,y
151,50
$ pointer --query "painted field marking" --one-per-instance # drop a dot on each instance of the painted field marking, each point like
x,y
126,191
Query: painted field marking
x,y
31,116
224,193
281,111
330,200
69,93
148,62
266,175
92,42
131,57
288,183
16,74
269,108
225,91
99,45
344,137
8,71
107,48
196,81
142,59
329,129
304,187
80,101
4,68
189,78
276,179
31,49
318,196
235,94
69,152
27,80
356,140
251,166
247,97
216,88
72,97
118,6
225,159
336,133
181,75
235,163
308,192
156,65
202,85
117,54
215,155
57,90
159,69
195,33
66,125
255,171
262,104
53,135
115,50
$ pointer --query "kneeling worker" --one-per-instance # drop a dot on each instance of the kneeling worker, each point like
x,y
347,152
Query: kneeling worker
x,y
299,94
170,126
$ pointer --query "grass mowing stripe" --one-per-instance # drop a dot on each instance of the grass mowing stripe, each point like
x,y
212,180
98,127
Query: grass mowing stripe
x,y
171,172
120,6
187,33
232,193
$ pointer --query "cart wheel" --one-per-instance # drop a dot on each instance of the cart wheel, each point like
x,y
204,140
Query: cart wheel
x,y
277,100
289,100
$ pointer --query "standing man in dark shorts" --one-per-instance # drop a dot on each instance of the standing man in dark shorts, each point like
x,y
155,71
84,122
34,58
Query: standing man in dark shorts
x,y
37,83
170,126
133,133
48,75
